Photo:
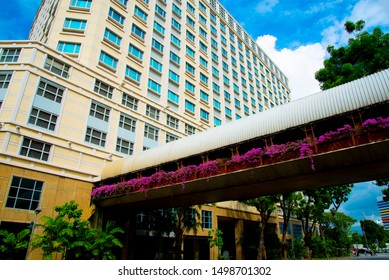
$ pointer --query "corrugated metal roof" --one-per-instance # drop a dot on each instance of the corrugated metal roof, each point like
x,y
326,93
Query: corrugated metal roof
x,y
348,97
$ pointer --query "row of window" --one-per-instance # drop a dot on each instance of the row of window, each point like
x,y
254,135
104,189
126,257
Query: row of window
x,y
145,220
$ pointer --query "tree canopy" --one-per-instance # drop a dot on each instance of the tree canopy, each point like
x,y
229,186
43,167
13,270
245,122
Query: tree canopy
x,y
365,54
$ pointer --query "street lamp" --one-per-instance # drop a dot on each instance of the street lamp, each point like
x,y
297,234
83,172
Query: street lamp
x,y
36,212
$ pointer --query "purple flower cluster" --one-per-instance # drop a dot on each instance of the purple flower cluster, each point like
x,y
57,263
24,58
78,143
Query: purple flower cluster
x,y
302,148
376,124
342,132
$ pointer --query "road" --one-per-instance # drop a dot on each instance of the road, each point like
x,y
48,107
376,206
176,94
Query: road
x,y
362,257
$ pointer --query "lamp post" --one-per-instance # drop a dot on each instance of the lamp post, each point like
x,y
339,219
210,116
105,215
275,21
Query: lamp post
x,y
36,212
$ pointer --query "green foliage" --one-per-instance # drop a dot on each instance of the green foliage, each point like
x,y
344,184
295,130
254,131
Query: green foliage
x,y
178,220
374,233
265,205
312,205
365,54
385,192
298,250
14,246
73,238
273,246
217,241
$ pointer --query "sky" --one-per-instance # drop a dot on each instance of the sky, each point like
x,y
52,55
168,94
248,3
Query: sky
x,y
294,34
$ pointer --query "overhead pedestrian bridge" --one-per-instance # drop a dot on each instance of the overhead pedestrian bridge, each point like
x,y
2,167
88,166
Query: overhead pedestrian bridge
x,y
337,136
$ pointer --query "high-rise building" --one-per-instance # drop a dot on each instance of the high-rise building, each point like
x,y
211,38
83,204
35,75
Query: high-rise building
x,y
383,207
100,80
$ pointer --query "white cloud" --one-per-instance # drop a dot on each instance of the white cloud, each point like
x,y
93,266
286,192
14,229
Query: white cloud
x,y
266,6
373,12
298,65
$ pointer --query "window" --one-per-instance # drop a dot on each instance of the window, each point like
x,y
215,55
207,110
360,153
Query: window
x,y
57,67
204,96
155,65
108,60
152,112
135,52
215,57
112,37
176,24
95,137
173,97
99,111
86,4
69,48
35,149
203,78
43,119
189,130
154,86
103,89
189,106
140,13
130,101
172,121
206,219
133,74
157,45
50,91
24,193
174,76
160,11
228,112
151,132
124,2
175,58
203,32
76,25
190,8
203,19
190,21
190,52
176,9
171,137
135,30
190,36
126,122
124,146
5,78
114,15
216,104
203,62
175,40
215,72
190,68
159,28
202,7
189,87
203,47
217,121
204,114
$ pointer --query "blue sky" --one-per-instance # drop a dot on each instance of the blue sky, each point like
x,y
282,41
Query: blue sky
x,y
294,33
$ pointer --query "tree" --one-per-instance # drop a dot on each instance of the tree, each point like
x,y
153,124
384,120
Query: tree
x,y
374,234
217,241
287,202
265,205
337,241
73,238
365,54
311,206
13,246
179,220
385,192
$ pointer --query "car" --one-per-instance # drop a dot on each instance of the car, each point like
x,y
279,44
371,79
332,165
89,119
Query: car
x,y
386,250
